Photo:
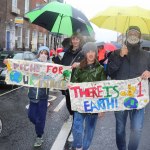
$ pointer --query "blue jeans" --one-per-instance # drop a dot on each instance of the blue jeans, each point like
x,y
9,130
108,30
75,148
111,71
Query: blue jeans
x,y
83,133
37,115
136,125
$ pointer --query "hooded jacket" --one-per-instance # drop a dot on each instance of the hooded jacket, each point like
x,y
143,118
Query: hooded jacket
x,y
130,66
90,73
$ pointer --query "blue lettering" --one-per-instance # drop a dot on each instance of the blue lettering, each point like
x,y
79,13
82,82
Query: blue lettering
x,y
86,105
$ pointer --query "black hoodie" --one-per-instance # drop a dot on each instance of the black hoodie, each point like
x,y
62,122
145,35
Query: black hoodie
x,y
130,66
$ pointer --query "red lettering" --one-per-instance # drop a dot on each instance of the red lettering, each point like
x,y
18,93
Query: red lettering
x,y
60,70
15,65
55,69
140,90
99,91
84,92
48,68
75,88
26,67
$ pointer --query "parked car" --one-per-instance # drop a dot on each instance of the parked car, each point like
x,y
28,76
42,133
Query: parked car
x,y
19,55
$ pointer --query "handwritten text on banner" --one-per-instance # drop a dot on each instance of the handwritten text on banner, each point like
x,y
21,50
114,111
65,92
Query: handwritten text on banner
x,y
112,95
37,74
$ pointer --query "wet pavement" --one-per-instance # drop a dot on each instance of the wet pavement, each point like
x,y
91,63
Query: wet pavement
x,y
18,132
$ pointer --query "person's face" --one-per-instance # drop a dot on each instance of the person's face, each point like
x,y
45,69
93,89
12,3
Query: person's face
x,y
75,42
133,36
91,56
43,56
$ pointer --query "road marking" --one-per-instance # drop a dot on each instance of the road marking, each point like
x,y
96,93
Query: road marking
x,y
11,91
0,126
60,105
62,136
53,98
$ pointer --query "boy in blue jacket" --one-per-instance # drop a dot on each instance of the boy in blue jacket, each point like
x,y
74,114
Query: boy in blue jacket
x,y
38,101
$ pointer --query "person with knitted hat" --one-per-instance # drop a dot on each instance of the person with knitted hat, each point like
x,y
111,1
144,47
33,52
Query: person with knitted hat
x,y
127,63
38,101
89,70
43,54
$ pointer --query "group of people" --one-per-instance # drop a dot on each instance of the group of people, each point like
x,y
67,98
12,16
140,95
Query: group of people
x,y
126,63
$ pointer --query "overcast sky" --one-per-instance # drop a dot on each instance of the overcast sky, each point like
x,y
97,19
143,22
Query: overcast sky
x,y
91,7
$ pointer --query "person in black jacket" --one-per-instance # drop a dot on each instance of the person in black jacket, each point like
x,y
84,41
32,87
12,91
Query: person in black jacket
x,y
127,63
72,57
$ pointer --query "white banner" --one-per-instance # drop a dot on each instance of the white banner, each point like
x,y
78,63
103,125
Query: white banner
x,y
38,74
111,95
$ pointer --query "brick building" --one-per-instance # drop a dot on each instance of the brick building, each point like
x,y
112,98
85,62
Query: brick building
x,y
16,32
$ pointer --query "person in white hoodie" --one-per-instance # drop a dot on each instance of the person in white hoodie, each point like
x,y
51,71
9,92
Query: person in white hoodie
x,y
38,101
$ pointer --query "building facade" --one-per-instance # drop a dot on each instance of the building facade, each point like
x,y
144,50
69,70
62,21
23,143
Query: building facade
x,y
17,33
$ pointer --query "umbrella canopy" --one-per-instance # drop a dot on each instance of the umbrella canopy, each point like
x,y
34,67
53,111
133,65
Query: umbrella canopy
x,y
109,47
120,18
104,48
60,18
118,45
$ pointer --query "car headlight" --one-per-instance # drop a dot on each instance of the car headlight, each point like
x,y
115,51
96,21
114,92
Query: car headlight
x,y
3,73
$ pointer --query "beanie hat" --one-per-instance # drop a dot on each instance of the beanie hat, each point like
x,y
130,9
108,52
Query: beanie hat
x,y
134,28
89,46
41,48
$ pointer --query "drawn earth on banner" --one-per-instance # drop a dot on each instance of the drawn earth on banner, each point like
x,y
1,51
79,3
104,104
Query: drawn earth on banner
x,y
112,95
37,74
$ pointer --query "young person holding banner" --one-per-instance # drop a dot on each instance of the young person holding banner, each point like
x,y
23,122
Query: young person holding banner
x,y
38,101
89,70
127,63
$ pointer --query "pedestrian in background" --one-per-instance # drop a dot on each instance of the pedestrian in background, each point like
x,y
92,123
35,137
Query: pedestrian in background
x,y
127,63
38,101
89,70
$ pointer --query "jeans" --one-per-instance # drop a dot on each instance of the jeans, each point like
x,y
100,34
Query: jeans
x,y
136,125
83,132
37,115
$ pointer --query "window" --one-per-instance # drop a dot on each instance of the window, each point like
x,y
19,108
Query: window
x,y
26,6
14,3
18,56
45,39
34,40
19,37
27,40
41,38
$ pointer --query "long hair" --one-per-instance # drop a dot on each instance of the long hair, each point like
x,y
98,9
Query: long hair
x,y
84,62
79,36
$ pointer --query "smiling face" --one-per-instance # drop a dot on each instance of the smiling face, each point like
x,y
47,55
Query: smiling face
x,y
91,57
75,43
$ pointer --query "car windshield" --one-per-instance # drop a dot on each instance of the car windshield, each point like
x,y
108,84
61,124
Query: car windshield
x,y
3,56
18,56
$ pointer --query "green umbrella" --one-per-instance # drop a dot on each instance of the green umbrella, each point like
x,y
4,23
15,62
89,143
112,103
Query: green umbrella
x,y
60,18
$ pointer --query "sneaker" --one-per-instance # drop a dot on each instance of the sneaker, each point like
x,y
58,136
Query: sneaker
x,y
38,142
70,138
70,119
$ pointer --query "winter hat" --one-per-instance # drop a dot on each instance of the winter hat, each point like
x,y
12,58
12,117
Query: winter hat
x,y
136,28
41,48
89,46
